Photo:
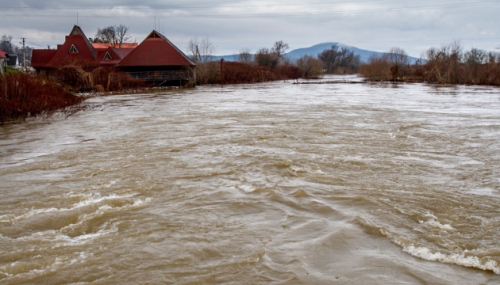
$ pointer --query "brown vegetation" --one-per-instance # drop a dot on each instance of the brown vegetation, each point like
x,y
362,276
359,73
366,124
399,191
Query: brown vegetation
x,y
337,60
23,95
445,65
235,72
82,76
310,67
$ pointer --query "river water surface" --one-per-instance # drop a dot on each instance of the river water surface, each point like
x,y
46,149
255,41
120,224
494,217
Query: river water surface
x,y
271,183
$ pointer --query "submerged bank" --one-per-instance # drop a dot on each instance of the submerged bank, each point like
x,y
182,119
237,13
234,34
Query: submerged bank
x,y
23,95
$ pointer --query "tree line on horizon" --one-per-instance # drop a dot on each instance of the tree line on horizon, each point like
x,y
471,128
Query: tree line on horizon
x,y
335,60
449,64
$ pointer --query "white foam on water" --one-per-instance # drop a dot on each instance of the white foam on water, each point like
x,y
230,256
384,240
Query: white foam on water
x,y
459,259
482,191
92,199
97,198
15,269
436,224
246,188
298,169
82,239
61,239
465,258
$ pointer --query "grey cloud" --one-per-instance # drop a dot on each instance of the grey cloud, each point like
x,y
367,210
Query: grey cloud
x,y
233,25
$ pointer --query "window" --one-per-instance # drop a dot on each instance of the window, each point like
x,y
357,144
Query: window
x,y
73,49
108,56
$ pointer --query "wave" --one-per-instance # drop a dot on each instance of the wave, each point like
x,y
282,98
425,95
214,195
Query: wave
x,y
466,258
462,259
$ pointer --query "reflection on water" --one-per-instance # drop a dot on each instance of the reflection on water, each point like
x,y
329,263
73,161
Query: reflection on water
x,y
270,183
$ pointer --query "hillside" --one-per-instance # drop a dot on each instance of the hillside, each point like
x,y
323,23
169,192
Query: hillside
x,y
316,49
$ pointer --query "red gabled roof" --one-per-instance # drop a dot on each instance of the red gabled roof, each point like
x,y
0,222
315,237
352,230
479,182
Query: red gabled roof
x,y
86,51
123,52
2,54
115,53
42,57
156,50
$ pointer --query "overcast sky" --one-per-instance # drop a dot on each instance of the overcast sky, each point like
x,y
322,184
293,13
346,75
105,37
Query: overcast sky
x,y
232,25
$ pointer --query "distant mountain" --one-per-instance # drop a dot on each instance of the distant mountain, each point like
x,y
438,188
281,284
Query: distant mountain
x,y
295,54
364,55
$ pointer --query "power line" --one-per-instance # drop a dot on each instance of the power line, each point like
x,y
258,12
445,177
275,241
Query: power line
x,y
36,44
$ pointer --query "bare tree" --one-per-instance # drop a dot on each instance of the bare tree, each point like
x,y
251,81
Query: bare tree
x,y
279,48
106,35
339,60
6,44
201,51
121,34
272,57
265,57
245,56
398,58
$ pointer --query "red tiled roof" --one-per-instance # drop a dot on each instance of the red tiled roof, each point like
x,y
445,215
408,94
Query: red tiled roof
x,y
84,53
115,53
42,57
156,50
107,45
123,52
2,54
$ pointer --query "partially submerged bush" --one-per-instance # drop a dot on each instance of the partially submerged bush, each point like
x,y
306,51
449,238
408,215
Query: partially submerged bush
x,y
310,67
237,72
75,78
376,69
445,65
23,95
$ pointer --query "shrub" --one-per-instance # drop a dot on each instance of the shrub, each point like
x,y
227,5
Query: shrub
x,y
23,95
376,69
310,67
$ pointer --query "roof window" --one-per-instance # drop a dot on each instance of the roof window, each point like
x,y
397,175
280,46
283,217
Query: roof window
x,y
73,49
108,56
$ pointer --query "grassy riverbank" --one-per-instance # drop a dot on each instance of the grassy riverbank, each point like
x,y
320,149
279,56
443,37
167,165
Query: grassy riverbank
x,y
23,95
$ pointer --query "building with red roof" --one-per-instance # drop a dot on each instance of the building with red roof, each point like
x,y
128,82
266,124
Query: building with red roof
x,y
156,59
2,60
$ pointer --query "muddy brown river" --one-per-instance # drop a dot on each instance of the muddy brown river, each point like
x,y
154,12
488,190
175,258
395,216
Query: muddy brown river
x,y
272,183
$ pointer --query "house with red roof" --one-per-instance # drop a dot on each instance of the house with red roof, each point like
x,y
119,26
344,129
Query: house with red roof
x,y
3,55
156,59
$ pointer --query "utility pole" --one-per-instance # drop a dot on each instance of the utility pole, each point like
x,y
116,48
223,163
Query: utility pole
x,y
24,54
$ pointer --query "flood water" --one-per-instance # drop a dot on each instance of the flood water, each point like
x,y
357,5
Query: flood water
x,y
271,183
